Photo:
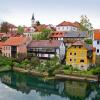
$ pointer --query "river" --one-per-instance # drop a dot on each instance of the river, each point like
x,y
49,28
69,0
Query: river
x,y
19,86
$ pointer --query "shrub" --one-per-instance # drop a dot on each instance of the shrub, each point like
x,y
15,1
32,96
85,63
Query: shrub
x,y
89,41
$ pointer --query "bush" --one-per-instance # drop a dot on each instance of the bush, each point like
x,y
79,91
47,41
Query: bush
x,y
96,71
89,41
66,67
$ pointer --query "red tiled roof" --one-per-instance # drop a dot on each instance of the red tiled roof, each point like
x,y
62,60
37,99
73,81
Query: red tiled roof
x,y
81,43
14,41
1,44
45,43
57,34
78,43
65,23
97,34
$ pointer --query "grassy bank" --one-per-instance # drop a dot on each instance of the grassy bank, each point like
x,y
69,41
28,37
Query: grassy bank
x,y
50,67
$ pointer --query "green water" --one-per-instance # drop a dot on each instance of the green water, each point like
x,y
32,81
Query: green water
x,y
18,86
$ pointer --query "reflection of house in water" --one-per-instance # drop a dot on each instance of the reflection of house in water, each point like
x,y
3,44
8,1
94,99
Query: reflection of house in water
x,y
6,79
26,83
76,89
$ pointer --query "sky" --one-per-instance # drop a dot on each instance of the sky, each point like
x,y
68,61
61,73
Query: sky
x,y
19,12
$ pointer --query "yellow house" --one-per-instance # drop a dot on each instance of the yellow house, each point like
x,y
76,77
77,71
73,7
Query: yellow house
x,y
80,55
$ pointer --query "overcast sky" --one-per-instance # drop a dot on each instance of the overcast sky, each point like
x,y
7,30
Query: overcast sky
x,y
19,12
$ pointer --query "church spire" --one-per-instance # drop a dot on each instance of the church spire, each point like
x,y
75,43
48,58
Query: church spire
x,y
33,17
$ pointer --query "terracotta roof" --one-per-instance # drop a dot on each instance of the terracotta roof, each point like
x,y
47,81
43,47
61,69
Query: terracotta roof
x,y
57,34
78,43
97,34
45,43
14,41
1,44
40,28
65,23
77,24
81,43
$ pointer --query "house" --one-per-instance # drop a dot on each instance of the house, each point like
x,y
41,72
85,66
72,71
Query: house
x,y
46,49
15,45
1,44
80,55
71,37
96,41
56,35
28,34
68,26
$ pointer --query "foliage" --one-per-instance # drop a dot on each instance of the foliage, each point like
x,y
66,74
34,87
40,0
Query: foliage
x,y
44,35
85,24
37,23
20,30
89,41
4,61
96,71
21,56
5,27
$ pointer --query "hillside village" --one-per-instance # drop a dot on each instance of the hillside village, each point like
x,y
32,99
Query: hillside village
x,y
66,40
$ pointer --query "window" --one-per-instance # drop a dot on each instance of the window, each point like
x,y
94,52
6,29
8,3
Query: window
x,y
79,46
70,59
81,60
74,60
70,53
74,46
97,50
98,42
74,53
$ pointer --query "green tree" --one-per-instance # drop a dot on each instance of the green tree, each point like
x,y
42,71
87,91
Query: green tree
x,y
5,27
38,23
20,30
85,24
44,35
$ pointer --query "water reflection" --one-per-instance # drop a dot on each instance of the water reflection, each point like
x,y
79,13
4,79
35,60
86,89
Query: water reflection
x,y
71,90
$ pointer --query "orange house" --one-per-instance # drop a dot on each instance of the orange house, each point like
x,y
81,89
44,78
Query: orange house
x,y
15,45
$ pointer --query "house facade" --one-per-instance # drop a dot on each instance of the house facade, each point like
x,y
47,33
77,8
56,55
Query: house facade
x,y
14,46
57,35
47,49
67,26
96,41
80,55
1,44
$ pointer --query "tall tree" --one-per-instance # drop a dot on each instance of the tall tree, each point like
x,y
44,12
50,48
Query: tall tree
x,y
85,24
20,30
5,27
38,23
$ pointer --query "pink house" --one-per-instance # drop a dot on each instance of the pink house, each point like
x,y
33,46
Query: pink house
x,y
15,45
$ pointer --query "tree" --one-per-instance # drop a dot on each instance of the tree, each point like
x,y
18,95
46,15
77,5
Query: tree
x,y
85,24
44,35
5,27
20,30
37,23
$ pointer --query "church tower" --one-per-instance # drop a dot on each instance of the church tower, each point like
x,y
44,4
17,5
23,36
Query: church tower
x,y
33,20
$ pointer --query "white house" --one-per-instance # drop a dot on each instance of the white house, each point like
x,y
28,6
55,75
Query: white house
x,y
47,48
67,26
96,41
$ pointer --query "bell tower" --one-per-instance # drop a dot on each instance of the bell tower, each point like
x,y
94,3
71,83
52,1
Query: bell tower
x,y
32,20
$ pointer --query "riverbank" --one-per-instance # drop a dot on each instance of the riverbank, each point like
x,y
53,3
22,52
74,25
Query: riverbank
x,y
3,69
32,72
92,78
